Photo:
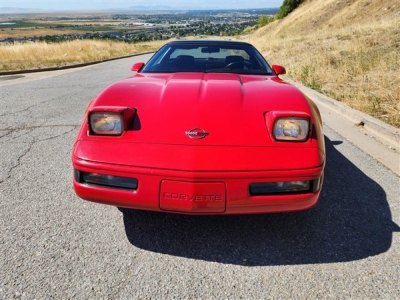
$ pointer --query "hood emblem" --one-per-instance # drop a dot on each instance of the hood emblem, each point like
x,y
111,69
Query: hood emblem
x,y
196,133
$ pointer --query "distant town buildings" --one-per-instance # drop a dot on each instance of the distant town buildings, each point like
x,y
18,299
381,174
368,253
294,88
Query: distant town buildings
x,y
141,27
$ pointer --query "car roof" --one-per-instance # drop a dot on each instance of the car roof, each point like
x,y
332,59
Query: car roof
x,y
208,42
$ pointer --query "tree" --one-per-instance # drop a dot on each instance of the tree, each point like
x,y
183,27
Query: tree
x,y
263,20
287,7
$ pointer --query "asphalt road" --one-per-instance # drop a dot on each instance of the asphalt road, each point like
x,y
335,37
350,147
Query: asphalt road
x,y
54,245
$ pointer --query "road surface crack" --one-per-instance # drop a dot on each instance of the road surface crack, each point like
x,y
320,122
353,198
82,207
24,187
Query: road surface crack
x,y
30,144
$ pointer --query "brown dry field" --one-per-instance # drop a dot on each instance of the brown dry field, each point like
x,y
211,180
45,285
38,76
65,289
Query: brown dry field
x,y
29,32
42,28
346,49
42,55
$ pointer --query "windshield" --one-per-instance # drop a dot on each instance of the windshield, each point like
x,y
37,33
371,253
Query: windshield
x,y
207,58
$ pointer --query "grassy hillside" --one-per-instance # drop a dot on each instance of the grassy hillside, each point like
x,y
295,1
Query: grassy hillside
x,y
347,49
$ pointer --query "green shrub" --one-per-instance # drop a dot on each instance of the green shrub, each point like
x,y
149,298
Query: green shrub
x,y
287,7
264,20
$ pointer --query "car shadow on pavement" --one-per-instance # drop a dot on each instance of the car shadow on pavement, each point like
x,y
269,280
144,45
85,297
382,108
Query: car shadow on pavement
x,y
352,221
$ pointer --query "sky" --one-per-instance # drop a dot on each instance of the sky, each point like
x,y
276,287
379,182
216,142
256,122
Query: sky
x,y
115,4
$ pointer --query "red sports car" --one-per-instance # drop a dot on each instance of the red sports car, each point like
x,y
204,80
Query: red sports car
x,y
204,127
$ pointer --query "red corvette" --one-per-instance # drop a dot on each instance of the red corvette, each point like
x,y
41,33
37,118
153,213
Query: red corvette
x,y
204,127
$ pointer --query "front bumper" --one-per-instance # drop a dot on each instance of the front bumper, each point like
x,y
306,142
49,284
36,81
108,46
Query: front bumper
x,y
203,192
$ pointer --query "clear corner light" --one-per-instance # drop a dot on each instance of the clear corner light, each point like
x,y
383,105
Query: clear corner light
x,y
106,123
291,129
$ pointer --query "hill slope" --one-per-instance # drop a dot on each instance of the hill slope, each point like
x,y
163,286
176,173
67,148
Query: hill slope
x,y
347,49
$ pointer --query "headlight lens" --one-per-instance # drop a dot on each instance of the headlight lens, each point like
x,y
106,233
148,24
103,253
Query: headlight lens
x,y
106,123
291,129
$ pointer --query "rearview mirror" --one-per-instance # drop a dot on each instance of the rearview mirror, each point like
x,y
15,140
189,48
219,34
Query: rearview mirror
x,y
210,50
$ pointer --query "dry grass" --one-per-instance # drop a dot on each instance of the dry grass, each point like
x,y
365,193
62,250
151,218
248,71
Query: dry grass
x,y
41,55
341,51
43,28
28,32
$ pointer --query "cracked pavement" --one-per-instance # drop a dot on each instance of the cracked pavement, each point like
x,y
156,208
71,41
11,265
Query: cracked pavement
x,y
54,245
38,108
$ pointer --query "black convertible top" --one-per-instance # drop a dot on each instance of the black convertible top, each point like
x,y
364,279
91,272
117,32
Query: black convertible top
x,y
208,42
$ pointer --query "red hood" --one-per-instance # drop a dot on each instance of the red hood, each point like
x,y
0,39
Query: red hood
x,y
230,107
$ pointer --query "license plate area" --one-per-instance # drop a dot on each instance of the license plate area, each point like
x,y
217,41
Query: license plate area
x,y
192,197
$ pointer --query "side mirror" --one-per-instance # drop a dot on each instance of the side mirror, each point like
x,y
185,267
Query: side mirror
x,y
279,70
137,66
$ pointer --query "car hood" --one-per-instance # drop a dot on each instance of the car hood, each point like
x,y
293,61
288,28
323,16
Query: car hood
x,y
229,108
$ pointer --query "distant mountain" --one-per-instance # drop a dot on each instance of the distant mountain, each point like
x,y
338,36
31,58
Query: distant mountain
x,y
16,10
157,8
139,8
169,8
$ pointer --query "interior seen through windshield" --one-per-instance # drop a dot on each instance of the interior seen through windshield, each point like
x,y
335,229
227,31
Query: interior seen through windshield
x,y
208,58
